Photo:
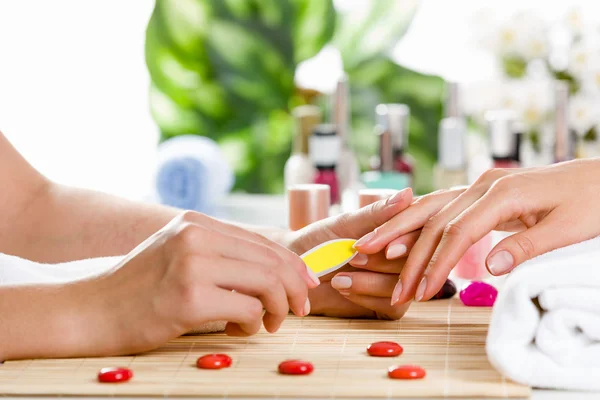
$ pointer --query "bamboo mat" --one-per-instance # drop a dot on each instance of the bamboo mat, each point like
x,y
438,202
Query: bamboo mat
x,y
443,336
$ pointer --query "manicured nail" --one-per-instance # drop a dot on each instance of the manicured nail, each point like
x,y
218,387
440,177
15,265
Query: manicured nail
x,y
500,263
365,239
360,260
344,293
397,292
306,310
397,197
312,276
341,282
421,289
395,250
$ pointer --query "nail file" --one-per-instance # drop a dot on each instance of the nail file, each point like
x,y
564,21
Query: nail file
x,y
329,256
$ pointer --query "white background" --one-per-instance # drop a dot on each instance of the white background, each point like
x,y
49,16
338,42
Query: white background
x,y
73,90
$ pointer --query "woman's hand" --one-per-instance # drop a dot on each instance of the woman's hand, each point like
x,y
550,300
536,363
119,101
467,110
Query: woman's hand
x,y
363,288
548,207
193,271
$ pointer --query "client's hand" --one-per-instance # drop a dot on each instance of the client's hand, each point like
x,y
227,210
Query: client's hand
x,y
195,270
365,289
549,207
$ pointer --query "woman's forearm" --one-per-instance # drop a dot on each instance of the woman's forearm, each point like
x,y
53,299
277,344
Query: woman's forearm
x,y
65,223
41,321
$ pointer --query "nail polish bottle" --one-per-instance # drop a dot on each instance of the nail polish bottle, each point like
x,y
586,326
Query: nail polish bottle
x,y
325,148
348,170
394,168
307,203
299,168
503,139
472,264
451,169
564,139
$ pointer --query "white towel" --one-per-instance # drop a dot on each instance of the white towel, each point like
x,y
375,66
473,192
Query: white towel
x,y
18,271
555,345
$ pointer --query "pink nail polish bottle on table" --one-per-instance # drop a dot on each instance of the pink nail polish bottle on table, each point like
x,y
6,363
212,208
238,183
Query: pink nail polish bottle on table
x,y
325,149
307,203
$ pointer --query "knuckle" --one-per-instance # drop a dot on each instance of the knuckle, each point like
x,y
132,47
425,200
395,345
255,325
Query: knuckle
x,y
270,277
273,257
526,245
187,236
491,175
189,216
454,230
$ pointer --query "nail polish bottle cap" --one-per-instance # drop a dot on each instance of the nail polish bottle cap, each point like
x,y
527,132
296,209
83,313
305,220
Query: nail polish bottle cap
x,y
306,117
501,134
392,128
341,109
453,107
452,146
394,118
325,146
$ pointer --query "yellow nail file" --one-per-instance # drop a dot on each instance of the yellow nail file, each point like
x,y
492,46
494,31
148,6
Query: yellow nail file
x,y
329,256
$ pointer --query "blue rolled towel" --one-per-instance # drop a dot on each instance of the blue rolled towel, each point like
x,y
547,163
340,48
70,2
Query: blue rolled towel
x,y
192,173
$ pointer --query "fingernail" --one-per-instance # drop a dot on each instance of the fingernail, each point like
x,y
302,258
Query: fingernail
x,y
397,197
344,293
341,282
312,276
421,289
306,310
360,260
395,250
500,263
397,292
365,239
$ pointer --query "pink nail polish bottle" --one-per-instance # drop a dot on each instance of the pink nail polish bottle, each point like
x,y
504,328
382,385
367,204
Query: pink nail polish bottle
x,y
325,149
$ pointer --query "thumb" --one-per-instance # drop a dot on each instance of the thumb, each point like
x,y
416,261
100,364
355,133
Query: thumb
x,y
360,222
520,247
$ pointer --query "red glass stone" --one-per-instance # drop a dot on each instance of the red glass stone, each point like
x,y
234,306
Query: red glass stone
x,y
406,372
478,294
214,361
295,367
384,349
114,375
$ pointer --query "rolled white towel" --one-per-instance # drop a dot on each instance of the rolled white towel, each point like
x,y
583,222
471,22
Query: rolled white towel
x,y
18,271
545,326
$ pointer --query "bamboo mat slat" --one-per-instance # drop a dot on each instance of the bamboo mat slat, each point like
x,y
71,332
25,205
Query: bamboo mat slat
x,y
444,337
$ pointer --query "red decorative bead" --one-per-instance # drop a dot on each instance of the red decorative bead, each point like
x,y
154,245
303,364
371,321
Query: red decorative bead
x,y
384,349
406,372
479,294
214,361
295,367
113,375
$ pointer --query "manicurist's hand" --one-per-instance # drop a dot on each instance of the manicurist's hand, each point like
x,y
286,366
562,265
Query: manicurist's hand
x,y
363,288
196,270
548,207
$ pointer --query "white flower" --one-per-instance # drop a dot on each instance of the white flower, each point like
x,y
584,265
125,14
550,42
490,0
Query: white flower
x,y
534,104
575,21
523,35
584,113
583,58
